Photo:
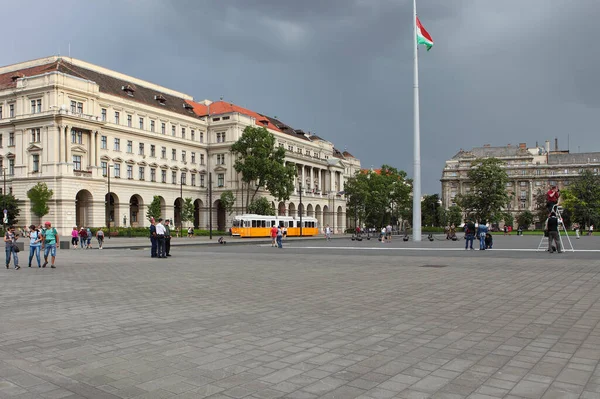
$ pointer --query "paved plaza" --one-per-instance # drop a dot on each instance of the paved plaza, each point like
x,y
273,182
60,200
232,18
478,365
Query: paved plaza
x,y
316,319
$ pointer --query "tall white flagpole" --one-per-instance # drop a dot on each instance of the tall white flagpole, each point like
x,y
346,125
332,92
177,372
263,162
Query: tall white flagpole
x,y
417,137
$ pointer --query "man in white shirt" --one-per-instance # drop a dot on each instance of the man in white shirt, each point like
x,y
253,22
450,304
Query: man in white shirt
x,y
160,238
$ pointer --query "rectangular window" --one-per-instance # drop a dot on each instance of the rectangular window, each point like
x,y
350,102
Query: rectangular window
x,y
290,148
118,170
129,120
1,142
117,145
193,157
163,152
36,135
221,180
11,110
220,159
76,162
11,139
163,176
104,166
142,123
201,180
183,156
103,114
174,154
152,150
0,111
201,137
141,149
80,108
117,118
152,174
11,167
104,142
129,146
79,137
221,137
36,163
201,159
130,172
173,177
193,179
152,126
73,106
173,130
141,172
33,106
183,178
163,128
183,133
192,134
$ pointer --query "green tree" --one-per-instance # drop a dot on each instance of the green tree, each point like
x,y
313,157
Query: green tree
x,y
11,204
582,199
488,196
379,197
429,210
509,219
539,201
154,208
39,195
228,201
442,217
261,206
455,215
525,219
187,212
262,164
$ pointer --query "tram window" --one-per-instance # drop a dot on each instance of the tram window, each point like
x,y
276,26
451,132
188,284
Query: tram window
x,y
272,223
263,223
254,223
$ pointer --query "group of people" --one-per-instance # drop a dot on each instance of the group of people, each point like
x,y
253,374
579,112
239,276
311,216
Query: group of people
x,y
84,236
41,238
481,231
160,238
277,234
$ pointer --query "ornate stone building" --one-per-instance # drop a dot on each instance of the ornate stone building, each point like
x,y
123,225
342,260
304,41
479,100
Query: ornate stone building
x,y
529,170
81,128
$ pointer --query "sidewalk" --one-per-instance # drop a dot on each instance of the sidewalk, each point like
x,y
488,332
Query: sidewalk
x,y
141,242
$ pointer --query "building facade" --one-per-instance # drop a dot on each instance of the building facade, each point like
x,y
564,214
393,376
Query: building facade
x,y
106,143
530,170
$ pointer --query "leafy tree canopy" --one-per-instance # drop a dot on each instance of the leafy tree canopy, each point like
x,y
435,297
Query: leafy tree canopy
x,y
39,195
430,216
261,206
582,199
228,201
525,219
187,212
455,215
11,204
154,208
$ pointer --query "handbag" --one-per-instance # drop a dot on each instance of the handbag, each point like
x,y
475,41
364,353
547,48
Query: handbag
x,y
17,249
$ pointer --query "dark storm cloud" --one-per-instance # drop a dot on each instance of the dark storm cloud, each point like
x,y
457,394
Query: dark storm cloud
x,y
500,72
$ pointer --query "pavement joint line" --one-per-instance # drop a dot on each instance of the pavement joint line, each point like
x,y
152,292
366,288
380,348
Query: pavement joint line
x,y
440,249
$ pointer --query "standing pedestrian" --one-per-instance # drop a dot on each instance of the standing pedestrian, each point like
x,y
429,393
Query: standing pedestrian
x,y
273,235
88,233
553,237
153,238
35,243
552,198
10,240
388,232
168,237
100,238
591,230
481,233
50,243
160,239
576,228
328,232
469,234
190,233
74,238
279,237
82,237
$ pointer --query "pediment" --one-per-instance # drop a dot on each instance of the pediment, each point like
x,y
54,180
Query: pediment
x,y
10,155
105,158
142,163
130,162
78,148
202,171
184,169
163,166
220,168
34,148
174,168
153,165
193,171
118,159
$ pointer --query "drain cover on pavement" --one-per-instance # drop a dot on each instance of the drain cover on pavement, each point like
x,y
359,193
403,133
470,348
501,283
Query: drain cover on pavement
x,y
435,266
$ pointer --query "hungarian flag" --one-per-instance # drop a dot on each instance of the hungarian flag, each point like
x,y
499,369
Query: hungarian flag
x,y
423,37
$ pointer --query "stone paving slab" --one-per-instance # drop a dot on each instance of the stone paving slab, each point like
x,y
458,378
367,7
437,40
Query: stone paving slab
x,y
254,322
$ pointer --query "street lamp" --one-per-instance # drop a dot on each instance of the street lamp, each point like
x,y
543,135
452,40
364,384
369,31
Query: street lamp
x,y
300,206
4,217
181,206
108,200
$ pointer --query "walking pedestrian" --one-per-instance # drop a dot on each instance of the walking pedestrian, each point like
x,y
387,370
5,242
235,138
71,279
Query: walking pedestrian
x,y
74,238
328,233
82,237
88,233
553,237
160,239
100,238
10,240
273,236
35,243
153,238
190,233
469,234
168,238
576,228
279,237
50,244
481,233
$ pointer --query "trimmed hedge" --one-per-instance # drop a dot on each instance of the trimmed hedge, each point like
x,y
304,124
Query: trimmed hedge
x,y
145,232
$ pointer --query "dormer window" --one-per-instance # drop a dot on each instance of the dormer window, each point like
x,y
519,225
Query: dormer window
x,y
188,107
16,76
160,98
128,89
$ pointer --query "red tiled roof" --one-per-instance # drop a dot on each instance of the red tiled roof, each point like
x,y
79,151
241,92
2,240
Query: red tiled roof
x,y
222,107
6,79
347,154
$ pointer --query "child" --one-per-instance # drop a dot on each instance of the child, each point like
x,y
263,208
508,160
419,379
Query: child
x,y
489,241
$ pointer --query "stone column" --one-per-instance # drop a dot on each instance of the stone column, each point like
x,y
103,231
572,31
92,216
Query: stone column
x,y
319,173
302,178
92,157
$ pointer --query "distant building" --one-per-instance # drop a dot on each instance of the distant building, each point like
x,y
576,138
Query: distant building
x,y
529,170
72,125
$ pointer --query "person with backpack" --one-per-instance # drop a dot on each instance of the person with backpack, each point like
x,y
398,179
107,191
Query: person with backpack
x,y
88,234
50,243
553,237
10,240
100,238
82,237
35,243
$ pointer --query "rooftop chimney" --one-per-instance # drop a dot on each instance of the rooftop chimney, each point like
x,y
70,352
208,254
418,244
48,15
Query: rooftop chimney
x,y
547,146
523,146
556,144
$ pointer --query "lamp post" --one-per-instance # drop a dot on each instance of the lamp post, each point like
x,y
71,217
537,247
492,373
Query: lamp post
x,y
5,216
300,206
210,205
181,206
108,198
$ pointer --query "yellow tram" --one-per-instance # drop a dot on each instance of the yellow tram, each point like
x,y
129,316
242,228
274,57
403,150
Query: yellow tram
x,y
260,226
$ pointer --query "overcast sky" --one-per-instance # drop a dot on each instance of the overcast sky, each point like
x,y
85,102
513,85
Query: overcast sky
x,y
500,72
